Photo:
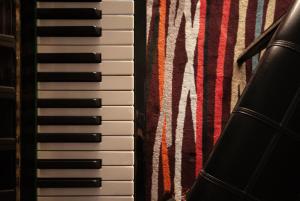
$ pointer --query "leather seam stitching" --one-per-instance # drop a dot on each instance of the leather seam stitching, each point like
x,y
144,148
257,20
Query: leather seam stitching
x,y
208,177
287,44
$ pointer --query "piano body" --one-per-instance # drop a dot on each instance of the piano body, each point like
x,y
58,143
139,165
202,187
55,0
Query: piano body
x,y
78,89
9,100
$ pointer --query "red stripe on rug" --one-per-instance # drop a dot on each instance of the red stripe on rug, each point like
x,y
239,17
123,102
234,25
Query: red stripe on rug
x,y
199,87
220,70
165,160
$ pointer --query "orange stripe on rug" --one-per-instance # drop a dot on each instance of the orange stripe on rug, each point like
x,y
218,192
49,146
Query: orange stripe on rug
x,y
161,73
161,47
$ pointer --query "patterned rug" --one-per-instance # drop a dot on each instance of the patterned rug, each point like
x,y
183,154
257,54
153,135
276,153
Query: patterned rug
x,y
193,82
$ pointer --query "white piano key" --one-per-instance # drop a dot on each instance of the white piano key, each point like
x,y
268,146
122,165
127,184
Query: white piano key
x,y
107,113
106,67
108,157
87,198
106,128
108,188
107,83
108,143
111,173
108,22
107,38
121,7
107,97
107,52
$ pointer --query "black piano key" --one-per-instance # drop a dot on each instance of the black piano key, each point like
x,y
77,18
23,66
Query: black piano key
x,y
7,92
69,103
8,194
69,77
69,137
69,58
69,163
68,182
7,144
69,31
8,41
69,120
68,13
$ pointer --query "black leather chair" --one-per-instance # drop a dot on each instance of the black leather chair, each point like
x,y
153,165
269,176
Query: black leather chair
x,y
257,157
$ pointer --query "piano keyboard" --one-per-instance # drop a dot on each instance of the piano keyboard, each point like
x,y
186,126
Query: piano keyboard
x,y
85,103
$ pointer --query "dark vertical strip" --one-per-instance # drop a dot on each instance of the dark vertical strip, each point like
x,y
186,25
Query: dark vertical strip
x,y
188,149
28,101
250,33
151,99
140,72
160,178
140,53
212,33
193,8
229,61
207,140
179,63
18,97
151,52
281,7
177,6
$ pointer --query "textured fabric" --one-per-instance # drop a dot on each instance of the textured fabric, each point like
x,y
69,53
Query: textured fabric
x,y
193,82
